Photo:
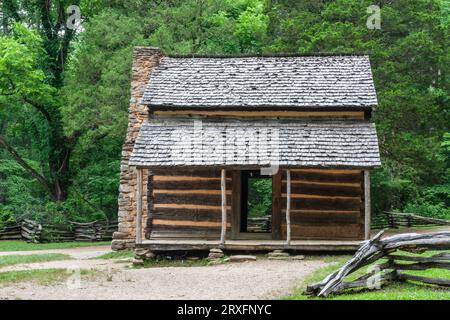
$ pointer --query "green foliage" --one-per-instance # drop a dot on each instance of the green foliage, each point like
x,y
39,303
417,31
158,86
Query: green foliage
x,y
433,202
211,26
19,194
390,192
122,254
259,197
40,276
82,80
28,246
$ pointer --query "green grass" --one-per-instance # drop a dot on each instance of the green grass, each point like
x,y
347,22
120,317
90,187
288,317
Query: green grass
x,y
40,276
25,246
117,255
17,259
158,262
393,291
162,263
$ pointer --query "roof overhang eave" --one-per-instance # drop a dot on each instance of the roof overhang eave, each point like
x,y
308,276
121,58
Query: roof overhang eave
x,y
159,107
251,167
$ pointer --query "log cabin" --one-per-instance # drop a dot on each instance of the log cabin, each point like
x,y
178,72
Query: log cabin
x,y
200,128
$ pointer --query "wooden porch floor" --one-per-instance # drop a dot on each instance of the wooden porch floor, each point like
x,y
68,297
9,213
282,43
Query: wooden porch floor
x,y
249,245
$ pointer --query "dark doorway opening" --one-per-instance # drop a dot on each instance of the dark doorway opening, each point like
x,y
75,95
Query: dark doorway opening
x,y
256,202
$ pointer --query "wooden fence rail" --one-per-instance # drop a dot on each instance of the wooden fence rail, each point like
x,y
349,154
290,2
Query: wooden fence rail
x,y
33,231
10,231
395,220
393,266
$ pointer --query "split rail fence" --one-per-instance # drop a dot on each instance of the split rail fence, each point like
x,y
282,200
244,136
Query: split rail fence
x,y
388,264
33,231
395,220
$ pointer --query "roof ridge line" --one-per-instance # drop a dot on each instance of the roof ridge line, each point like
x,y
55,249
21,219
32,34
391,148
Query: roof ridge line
x,y
265,55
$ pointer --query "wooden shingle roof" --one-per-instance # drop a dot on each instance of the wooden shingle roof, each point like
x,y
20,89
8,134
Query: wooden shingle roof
x,y
237,144
262,82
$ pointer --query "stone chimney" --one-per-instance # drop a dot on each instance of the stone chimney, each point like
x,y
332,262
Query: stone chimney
x,y
144,60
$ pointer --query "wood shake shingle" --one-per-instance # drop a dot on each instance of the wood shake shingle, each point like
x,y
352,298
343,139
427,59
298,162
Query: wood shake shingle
x,y
272,82
237,144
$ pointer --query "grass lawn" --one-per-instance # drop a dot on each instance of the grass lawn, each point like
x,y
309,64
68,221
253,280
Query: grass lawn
x,y
17,259
392,291
117,255
25,246
40,276
159,262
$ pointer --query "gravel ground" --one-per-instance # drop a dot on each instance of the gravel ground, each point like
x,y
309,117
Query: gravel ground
x,y
262,279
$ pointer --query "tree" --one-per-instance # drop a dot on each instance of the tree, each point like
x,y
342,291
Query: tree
x,y
409,57
23,82
64,94
49,19
34,58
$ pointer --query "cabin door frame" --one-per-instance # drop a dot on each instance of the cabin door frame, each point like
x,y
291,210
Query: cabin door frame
x,y
236,207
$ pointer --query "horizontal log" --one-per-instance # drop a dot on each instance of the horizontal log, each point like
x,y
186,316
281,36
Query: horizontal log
x,y
215,173
10,232
186,206
414,217
193,192
82,224
324,204
202,234
11,237
328,171
420,265
9,227
187,223
314,196
325,184
320,211
324,190
437,257
158,228
328,177
435,281
341,231
324,219
192,184
204,199
188,214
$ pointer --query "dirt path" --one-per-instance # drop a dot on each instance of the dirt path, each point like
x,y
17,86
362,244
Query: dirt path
x,y
250,280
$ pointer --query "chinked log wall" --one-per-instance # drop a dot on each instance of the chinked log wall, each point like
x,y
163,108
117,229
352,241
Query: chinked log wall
x,y
186,204
325,204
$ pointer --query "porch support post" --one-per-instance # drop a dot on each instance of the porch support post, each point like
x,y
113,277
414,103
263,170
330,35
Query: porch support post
x,y
223,230
139,207
366,204
288,207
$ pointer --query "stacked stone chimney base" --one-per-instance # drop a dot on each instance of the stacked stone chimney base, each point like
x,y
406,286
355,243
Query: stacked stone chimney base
x,y
144,60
